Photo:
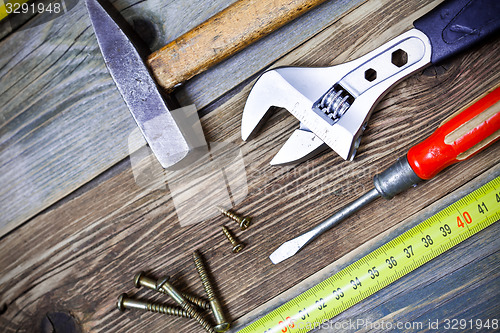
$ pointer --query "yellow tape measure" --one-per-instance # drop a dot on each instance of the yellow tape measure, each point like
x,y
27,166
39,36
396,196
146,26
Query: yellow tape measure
x,y
385,265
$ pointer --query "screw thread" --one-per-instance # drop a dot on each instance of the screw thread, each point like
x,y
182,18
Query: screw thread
x,y
201,303
222,323
202,272
176,295
197,316
168,310
233,216
229,236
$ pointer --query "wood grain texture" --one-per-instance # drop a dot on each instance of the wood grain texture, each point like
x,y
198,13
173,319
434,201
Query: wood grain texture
x,y
62,121
214,83
41,139
416,297
81,253
221,36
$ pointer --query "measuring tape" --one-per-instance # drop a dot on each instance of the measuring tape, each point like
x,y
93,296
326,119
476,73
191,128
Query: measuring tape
x,y
385,265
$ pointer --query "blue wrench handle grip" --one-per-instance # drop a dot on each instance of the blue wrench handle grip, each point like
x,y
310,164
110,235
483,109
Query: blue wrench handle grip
x,y
456,25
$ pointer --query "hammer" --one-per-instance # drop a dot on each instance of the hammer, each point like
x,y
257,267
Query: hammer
x,y
221,36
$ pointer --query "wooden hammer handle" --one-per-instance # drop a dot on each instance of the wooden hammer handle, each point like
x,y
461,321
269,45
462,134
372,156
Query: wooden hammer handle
x,y
221,36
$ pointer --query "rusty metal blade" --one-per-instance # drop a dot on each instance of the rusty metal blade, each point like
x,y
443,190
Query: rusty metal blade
x,y
136,85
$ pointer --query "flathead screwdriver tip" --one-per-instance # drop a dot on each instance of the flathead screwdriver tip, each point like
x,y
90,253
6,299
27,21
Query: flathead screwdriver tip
x,y
291,247
281,253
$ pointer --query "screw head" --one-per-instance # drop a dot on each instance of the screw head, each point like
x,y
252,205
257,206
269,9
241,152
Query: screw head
x,y
121,299
222,327
238,247
137,279
161,282
245,222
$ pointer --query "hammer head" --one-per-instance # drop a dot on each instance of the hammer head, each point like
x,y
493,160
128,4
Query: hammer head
x,y
150,110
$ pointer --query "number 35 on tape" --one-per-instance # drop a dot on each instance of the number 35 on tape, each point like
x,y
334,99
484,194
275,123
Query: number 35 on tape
x,y
385,265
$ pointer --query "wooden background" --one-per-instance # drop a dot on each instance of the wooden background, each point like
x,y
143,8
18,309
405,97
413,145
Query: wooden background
x,y
76,226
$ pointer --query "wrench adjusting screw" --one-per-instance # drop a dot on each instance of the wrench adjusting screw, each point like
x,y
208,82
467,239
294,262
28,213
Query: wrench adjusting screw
x,y
222,324
237,247
125,302
243,221
141,280
177,296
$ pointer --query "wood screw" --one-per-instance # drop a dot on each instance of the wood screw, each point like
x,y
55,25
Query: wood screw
x,y
222,324
237,247
125,302
141,280
243,221
177,296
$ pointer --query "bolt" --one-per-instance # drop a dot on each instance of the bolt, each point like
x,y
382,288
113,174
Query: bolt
x,y
237,247
177,296
222,323
141,280
125,302
243,221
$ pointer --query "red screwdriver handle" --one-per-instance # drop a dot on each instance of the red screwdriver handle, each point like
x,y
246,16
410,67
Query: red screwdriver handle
x,y
458,138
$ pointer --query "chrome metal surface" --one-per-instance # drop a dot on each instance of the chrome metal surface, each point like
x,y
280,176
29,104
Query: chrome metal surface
x,y
366,79
334,103
396,178
301,145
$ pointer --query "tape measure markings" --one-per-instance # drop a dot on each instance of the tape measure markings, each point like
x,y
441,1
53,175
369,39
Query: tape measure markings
x,y
386,264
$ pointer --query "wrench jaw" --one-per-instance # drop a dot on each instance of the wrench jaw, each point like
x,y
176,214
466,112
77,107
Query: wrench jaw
x,y
294,89
283,87
267,93
333,103
302,145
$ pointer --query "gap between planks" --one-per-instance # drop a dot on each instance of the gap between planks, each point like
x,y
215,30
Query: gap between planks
x,y
57,145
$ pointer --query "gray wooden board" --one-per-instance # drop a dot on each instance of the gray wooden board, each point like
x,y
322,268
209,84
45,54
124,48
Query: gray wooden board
x,y
62,121
79,254
201,90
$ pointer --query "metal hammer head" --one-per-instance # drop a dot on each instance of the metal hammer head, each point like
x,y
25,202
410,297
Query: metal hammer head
x,y
125,63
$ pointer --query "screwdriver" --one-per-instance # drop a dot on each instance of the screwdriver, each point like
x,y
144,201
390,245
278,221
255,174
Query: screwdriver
x,y
457,139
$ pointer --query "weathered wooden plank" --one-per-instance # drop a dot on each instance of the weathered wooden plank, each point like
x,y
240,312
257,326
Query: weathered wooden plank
x,y
253,59
221,36
47,277
63,122
19,13
435,291
58,125
82,253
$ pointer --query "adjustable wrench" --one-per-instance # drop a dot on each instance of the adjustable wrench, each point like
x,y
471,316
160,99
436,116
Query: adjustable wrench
x,y
333,104
209,43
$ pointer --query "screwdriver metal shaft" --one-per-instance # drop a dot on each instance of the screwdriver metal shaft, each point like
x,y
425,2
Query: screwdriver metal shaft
x,y
293,246
458,139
